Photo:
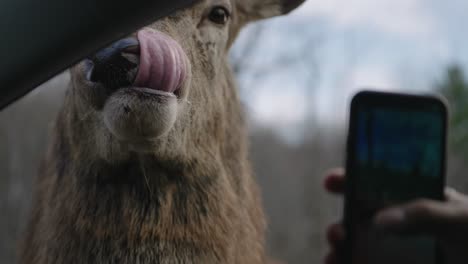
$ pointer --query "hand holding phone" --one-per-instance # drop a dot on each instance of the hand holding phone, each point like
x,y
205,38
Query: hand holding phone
x,y
395,154
395,208
447,220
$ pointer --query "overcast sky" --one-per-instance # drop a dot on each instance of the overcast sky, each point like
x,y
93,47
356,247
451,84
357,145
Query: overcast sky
x,y
346,45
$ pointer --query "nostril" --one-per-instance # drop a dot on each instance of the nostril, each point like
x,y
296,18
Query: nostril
x,y
135,49
129,45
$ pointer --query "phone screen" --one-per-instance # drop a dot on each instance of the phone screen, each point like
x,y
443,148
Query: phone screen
x,y
397,155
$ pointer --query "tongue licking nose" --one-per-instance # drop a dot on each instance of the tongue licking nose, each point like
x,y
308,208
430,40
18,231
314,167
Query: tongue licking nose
x,y
163,63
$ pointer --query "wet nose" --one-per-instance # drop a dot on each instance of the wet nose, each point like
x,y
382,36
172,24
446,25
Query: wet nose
x,y
130,45
112,64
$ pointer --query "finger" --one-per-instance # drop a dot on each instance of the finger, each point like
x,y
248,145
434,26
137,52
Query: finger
x,y
424,216
451,195
335,235
335,181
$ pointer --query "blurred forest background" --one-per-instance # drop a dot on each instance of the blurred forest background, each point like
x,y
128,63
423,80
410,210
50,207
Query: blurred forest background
x,y
294,76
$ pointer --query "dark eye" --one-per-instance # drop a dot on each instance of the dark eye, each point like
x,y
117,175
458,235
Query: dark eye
x,y
219,15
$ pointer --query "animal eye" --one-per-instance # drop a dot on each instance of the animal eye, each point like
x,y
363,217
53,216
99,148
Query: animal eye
x,y
219,15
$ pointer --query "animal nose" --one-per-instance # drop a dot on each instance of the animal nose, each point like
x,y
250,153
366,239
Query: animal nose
x,y
130,45
112,65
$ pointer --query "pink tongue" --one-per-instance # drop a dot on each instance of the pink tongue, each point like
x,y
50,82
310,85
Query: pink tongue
x,y
162,62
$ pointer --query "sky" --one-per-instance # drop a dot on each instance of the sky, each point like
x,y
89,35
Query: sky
x,y
311,62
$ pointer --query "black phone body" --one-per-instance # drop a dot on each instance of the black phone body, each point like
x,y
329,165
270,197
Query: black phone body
x,y
396,152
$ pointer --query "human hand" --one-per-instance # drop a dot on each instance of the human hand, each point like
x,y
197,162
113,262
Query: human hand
x,y
447,220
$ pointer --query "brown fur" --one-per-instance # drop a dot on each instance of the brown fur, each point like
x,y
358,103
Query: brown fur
x,y
185,196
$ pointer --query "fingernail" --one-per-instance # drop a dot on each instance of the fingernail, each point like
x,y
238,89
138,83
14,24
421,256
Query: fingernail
x,y
390,218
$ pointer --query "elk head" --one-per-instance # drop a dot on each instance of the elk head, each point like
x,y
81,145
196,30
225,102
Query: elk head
x,y
169,83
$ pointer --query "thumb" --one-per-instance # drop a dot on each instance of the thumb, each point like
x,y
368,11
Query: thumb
x,y
424,217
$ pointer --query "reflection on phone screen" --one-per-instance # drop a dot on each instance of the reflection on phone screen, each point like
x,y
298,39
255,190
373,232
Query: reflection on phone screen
x,y
398,157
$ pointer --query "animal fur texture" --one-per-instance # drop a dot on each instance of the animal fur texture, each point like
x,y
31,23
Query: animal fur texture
x,y
181,193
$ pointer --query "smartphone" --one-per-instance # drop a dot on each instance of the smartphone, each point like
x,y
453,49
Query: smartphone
x,y
396,152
